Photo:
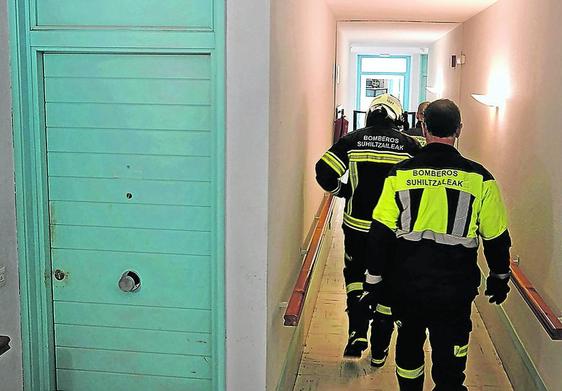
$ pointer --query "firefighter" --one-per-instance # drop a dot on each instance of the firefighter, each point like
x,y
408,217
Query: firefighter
x,y
366,155
424,237
417,131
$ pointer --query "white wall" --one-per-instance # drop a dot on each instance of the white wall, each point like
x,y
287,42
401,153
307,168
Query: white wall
x,y
10,362
246,192
303,34
246,208
513,49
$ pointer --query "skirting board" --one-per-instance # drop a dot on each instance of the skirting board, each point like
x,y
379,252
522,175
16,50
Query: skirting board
x,y
519,366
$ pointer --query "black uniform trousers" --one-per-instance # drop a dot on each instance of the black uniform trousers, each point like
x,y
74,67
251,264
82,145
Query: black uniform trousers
x,y
358,314
449,328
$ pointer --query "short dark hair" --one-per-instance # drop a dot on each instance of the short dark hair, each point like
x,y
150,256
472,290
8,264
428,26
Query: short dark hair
x,y
442,118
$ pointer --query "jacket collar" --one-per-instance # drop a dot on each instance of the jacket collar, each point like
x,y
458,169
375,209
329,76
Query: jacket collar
x,y
440,147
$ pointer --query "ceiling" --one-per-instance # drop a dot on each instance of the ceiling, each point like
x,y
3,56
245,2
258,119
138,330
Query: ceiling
x,y
392,34
408,10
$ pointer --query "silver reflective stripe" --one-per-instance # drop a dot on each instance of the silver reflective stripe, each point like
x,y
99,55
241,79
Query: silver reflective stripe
x,y
438,238
371,279
406,216
461,215
337,189
354,179
500,276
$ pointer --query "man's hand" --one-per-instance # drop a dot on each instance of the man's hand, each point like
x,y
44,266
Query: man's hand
x,y
497,287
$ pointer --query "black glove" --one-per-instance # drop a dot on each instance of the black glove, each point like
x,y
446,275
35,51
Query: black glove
x,y
497,288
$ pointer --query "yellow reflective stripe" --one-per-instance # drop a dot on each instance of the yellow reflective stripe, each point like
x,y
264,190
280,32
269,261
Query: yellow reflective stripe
x,y
336,164
378,362
360,340
354,179
420,140
337,159
357,224
354,286
377,157
410,373
460,351
383,309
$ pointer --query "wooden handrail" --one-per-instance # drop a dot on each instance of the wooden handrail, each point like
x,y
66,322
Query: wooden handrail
x,y
542,311
311,250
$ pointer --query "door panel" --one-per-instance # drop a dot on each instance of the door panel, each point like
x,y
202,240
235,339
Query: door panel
x,y
131,215
128,116
89,165
139,66
130,240
164,278
133,363
139,13
133,317
141,192
130,177
156,91
145,341
145,142
90,381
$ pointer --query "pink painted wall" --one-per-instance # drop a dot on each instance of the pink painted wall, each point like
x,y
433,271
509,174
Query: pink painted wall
x,y
302,57
513,51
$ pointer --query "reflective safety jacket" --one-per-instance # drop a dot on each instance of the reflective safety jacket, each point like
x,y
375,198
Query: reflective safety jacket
x,y
367,154
416,133
432,212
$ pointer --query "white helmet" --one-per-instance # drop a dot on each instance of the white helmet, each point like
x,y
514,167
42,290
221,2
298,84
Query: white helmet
x,y
390,104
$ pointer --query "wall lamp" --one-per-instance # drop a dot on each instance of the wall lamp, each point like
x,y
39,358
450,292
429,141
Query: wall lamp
x,y
488,100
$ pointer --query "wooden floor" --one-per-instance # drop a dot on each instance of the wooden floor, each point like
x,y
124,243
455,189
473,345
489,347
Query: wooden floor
x,y
323,368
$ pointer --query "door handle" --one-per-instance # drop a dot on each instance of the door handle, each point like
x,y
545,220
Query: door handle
x,y
129,281
59,275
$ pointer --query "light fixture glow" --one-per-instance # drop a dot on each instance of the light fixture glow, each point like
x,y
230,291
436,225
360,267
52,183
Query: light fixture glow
x,y
436,91
431,90
488,100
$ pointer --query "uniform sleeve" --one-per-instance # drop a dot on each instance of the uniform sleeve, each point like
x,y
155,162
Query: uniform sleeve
x,y
386,211
382,237
493,215
492,227
331,167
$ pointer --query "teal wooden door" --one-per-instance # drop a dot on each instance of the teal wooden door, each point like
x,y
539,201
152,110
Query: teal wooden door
x,y
123,163
129,172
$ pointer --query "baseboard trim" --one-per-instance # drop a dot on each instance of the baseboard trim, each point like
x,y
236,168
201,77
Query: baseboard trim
x,y
520,379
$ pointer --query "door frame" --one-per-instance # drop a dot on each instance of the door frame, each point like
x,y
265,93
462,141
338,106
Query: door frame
x,y
27,47
406,75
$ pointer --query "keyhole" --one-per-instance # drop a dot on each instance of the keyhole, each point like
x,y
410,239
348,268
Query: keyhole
x,y
129,195
59,275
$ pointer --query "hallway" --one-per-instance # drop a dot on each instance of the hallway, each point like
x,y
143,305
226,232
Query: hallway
x,y
322,367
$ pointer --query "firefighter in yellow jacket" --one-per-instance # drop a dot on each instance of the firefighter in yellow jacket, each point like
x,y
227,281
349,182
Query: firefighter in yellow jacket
x,y
433,211
367,155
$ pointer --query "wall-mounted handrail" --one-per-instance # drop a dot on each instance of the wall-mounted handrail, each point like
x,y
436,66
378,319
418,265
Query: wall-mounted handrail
x,y
545,315
4,344
311,250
